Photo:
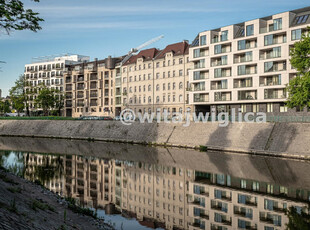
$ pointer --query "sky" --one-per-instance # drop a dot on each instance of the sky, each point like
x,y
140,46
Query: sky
x,y
98,28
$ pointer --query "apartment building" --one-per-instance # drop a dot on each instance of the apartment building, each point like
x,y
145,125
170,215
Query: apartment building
x,y
157,80
246,65
91,88
48,71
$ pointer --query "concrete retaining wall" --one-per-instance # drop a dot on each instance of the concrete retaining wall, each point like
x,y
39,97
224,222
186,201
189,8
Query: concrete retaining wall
x,y
290,138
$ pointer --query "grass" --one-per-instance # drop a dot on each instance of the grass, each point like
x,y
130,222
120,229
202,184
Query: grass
x,y
14,189
203,148
7,180
35,205
12,207
75,208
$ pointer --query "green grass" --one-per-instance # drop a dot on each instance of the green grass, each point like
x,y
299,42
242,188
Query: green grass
x,y
38,118
35,205
14,189
203,148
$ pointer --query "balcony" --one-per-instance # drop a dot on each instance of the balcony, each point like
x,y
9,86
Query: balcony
x,y
69,88
69,104
246,70
199,64
247,95
80,87
93,77
92,68
270,80
217,85
221,96
93,86
80,104
93,94
243,83
274,66
199,75
274,94
80,95
199,87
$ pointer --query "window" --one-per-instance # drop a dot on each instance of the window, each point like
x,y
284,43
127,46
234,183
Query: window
x,y
269,107
157,75
277,24
217,49
157,87
283,108
149,87
203,40
157,64
180,85
243,183
149,99
181,100
268,40
241,45
255,186
157,99
296,34
301,19
224,35
180,60
180,72
249,30
196,53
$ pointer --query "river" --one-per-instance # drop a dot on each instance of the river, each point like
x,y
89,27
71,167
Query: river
x,y
141,187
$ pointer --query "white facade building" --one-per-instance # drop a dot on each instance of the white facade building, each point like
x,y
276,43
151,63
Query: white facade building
x,y
246,65
49,72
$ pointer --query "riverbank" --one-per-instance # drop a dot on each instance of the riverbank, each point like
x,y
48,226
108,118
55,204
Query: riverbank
x,y
25,205
277,139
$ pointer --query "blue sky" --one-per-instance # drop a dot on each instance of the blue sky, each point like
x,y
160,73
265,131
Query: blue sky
x,y
99,28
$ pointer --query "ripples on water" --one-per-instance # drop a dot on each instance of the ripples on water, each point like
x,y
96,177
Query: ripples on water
x,y
138,187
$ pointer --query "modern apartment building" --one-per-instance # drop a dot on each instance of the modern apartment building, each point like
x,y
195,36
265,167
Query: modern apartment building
x,y
48,71
156,80
93,88
246,65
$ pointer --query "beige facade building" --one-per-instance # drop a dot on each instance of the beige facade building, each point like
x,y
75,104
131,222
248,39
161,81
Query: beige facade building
x,y
91,88
246,65
156,80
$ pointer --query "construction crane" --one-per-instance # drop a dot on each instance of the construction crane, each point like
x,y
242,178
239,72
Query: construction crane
x,y
135,50
2,62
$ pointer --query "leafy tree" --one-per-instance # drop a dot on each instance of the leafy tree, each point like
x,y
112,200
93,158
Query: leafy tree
x,y
13,16
18,96
5,106
45,99
49,99
299,87
297,221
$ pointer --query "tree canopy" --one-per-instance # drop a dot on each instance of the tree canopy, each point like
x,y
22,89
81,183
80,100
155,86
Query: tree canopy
x,y
299,87
13,16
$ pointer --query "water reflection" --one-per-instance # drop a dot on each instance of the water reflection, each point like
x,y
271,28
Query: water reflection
x,y
164,196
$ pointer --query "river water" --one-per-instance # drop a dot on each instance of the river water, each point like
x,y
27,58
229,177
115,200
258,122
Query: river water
x,y
139,187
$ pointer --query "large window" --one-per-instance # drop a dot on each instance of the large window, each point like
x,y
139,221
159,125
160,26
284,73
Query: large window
x,y
203,40
268,40
277,24
196,53
241,45
296,34
250,30
224,35
217,49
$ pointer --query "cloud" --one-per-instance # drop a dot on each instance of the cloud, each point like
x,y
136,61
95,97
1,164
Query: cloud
x,y
86,11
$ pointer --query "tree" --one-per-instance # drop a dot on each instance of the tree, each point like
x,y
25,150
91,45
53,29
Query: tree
x,y
13,16
296,220
299,87
5,106
18,96
59,101
45,99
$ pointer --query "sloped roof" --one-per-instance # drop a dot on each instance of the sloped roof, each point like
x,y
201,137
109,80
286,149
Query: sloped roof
x,y
180,48
147,55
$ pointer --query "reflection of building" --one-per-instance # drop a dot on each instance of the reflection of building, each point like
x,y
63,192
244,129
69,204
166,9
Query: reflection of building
x,y
171,197
223,202
156,192
45,168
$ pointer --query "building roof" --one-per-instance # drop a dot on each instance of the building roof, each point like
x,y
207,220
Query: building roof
x,y
180,48
147,55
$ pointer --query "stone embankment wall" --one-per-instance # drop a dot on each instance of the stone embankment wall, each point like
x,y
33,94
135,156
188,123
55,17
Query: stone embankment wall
x,y
266,138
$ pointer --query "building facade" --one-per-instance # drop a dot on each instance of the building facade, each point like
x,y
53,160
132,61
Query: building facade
x,y
47,71
246,65
91,88
157,80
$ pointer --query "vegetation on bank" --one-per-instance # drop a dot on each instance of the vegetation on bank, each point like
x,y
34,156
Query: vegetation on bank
x,y
38,118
